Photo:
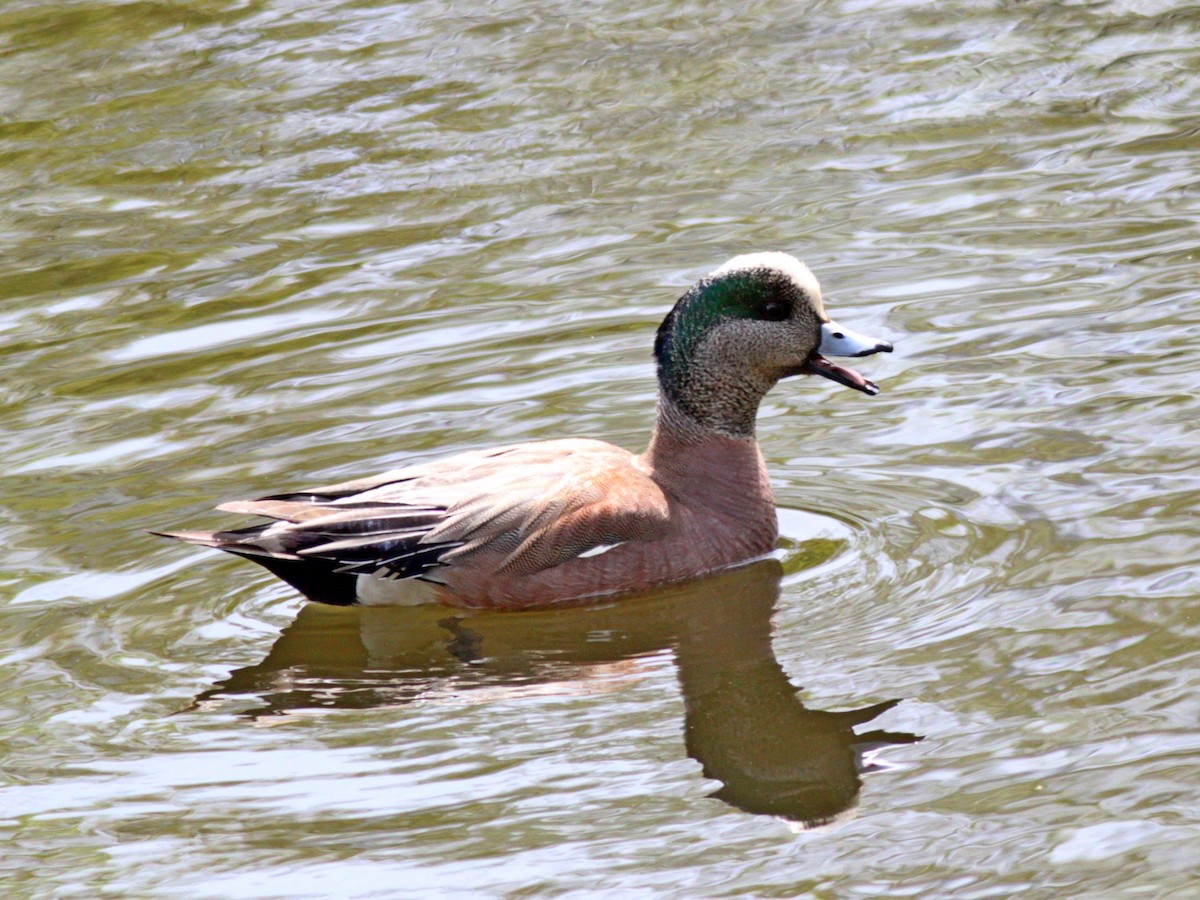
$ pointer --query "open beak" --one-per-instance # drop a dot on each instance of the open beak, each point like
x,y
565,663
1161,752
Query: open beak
x,y
839,341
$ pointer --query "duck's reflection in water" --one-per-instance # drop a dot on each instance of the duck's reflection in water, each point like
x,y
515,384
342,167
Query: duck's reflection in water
x,y
743,721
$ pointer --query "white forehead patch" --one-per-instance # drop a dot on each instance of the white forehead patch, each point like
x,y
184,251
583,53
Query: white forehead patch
x,y
784,262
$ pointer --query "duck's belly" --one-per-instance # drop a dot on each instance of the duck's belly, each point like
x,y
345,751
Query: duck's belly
x,y
474,588
482,581
625,569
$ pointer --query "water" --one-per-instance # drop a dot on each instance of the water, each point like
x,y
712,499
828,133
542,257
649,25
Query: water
x,y
251,245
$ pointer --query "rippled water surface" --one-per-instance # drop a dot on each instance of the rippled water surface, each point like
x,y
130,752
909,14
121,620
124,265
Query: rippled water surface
x,y
253,245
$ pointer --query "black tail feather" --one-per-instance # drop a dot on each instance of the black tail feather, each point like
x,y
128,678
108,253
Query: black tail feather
x,y
317,580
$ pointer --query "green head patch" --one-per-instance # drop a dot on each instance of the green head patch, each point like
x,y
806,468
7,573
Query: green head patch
x,y
763,293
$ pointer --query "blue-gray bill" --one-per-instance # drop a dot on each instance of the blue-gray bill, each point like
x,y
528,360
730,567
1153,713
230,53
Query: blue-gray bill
x,y
839,341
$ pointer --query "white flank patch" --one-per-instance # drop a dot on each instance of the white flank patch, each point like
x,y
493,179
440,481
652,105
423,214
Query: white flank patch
x,y
372,591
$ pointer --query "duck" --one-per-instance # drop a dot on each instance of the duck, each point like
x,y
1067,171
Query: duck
x,y
543,523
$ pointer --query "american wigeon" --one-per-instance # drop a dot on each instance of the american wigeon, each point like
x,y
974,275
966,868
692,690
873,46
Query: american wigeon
x,y
535,524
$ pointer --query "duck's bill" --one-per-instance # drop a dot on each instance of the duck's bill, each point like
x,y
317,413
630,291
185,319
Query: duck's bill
x,y
839,341
819,365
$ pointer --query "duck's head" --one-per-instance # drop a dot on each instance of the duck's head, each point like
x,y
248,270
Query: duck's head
x,y
740,329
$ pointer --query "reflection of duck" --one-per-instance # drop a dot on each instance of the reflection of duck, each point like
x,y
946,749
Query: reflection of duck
x,y
743,721
535,524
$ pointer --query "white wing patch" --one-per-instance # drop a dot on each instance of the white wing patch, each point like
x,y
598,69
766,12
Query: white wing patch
x,y
596,551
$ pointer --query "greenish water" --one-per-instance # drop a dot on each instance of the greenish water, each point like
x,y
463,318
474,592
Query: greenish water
x,y
251,245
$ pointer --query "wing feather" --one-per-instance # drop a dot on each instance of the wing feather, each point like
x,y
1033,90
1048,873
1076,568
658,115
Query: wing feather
x,y
517,510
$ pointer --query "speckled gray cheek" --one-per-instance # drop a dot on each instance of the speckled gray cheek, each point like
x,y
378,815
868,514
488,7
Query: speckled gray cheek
x,y
729,371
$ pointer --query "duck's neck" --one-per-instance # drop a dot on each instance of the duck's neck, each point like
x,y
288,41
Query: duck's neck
x,y
701,401
709,466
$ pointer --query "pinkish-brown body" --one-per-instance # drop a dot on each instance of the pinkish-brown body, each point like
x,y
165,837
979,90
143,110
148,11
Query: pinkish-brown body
x,y
699,507
541,523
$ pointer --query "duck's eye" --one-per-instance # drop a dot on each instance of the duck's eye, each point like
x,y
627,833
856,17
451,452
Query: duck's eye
x,y
774,311
838,336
